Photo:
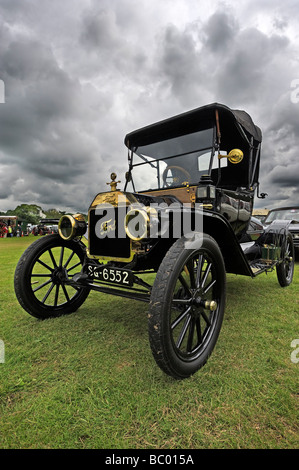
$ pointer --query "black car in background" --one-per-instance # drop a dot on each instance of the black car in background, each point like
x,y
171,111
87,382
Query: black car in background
x,y
286,213
46,227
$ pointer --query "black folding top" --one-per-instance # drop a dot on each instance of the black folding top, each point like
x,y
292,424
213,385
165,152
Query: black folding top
x,y
191,121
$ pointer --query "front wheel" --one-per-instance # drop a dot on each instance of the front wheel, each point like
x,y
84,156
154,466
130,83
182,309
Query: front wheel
x,y
187,305
42,274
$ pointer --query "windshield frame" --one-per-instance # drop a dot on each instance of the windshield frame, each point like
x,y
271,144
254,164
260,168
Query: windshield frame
x,y
133,154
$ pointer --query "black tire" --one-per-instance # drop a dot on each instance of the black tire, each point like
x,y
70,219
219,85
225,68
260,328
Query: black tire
x,y
40,277
183,330
285,269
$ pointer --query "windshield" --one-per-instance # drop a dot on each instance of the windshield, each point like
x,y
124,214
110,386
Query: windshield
x,y
173,162
283,214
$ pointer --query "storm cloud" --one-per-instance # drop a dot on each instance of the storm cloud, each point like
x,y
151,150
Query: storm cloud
x,y
79,75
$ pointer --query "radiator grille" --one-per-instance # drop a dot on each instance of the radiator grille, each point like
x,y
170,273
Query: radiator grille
x,y
116,245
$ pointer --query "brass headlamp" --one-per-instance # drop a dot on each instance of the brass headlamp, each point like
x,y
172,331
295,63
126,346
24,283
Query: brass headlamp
x,y
71,226
138,222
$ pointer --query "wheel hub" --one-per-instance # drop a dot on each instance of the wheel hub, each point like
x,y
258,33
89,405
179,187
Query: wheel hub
x,y
207,304
59,275
197,301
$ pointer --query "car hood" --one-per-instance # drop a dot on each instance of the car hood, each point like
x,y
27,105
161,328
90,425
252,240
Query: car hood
x,y
293,224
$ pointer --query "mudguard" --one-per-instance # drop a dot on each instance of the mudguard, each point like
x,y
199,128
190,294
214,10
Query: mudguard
x,y
220,229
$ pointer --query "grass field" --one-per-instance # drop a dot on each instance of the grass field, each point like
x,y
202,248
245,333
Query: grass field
x,y
88,380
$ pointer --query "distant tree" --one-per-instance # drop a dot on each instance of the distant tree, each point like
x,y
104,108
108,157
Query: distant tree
x,y
30,213
53,214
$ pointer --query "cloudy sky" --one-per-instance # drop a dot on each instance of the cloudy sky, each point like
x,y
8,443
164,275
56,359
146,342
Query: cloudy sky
x,y
78,75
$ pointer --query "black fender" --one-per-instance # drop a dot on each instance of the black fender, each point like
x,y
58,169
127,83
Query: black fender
x,y
209,222
220,229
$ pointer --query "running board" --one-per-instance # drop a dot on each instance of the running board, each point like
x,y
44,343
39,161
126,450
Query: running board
x,y
259,266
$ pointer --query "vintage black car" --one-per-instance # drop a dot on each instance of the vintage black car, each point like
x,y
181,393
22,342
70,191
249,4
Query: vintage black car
x,y
45,227
168,238
286,213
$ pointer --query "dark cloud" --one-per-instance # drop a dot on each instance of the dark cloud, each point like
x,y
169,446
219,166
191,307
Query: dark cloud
x,y
79,75
221,30
280,23
180,71
100,31
285,176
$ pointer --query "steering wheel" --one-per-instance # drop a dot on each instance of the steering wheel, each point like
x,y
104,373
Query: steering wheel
x,y
178,176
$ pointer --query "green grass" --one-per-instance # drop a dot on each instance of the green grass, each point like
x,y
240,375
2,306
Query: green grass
x,y
88,380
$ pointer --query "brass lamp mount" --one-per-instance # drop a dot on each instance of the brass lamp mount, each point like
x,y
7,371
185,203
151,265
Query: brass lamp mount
x,y
234,156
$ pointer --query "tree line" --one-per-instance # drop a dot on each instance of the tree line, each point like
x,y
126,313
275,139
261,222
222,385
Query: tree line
x,y
32,213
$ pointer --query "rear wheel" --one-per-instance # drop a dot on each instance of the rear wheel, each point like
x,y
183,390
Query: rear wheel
x,y
42,274
285,269
187,305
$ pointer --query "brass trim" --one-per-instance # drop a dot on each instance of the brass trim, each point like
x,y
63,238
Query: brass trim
x,y
73,226
211,305
79,217
113,183
146,220
111,258
113,198
183,193
235,156
156,191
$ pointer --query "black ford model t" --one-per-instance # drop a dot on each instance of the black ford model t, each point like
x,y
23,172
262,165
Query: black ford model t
x,y
168,238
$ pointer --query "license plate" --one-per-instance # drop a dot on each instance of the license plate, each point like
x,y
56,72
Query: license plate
x,y
115,275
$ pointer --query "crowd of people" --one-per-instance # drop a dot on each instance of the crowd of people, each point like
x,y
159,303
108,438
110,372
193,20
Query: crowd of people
x,y
10,230
12,227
